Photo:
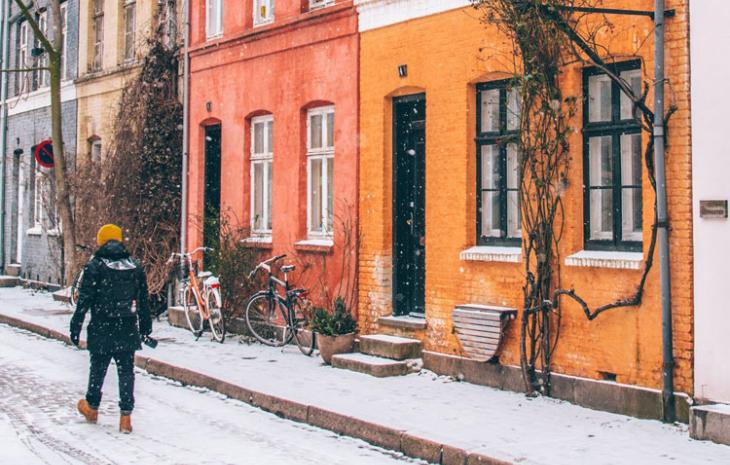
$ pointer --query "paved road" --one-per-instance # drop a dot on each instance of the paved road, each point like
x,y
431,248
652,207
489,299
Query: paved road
x,y
41,380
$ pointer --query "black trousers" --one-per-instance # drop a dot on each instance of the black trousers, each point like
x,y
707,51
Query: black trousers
x,y
125,373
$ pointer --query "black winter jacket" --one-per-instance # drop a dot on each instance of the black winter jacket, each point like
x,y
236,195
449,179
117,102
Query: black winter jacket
x,y
114,290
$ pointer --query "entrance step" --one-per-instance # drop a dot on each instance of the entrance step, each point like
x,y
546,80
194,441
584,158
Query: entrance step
x,y
392,347
62,295
710,422
375,366
13,270
9,281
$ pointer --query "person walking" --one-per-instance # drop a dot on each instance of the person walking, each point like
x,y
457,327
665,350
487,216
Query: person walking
x,y
114,290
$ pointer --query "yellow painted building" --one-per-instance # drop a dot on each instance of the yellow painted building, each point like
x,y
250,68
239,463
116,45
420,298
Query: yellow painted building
x,y
112,41
439,58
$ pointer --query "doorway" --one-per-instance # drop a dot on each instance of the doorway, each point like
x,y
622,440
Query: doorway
x,y
212,190
409,187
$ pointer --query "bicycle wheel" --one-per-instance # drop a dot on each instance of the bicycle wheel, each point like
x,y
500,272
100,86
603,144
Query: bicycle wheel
x,y
192,313
216,321
261,320
75,286
302,335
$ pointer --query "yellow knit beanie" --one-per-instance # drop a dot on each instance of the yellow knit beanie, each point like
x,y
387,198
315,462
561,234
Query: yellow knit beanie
x,y
108,232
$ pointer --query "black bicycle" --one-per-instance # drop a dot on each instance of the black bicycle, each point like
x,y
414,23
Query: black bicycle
x,y
275,319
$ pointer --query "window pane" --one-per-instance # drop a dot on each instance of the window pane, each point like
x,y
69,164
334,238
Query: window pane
x,y
490,167
258,138
315,131
269,136
258,196
269,171
601,214
631,159
330,192
513,167
600,163
632,77
514,215
490,110
631,211
490,215
513,109
599,98
330,129
315,194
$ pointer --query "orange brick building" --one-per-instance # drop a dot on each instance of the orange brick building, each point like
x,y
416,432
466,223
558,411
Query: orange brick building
x,y
430,87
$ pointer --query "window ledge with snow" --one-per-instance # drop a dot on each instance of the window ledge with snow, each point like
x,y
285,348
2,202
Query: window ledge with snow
x,y
606,259
258,242
319,245
483,253
35,231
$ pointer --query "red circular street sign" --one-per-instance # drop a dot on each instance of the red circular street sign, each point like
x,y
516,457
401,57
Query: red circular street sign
x,y
44,154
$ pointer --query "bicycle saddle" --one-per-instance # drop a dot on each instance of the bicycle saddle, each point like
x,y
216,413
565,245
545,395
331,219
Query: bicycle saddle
x,y
288,268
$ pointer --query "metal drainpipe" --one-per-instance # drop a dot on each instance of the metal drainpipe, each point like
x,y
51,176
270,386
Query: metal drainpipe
x,y
186,129
4,79
668,407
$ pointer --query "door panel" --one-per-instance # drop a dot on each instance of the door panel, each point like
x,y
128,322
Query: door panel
x,y
212,192
409,225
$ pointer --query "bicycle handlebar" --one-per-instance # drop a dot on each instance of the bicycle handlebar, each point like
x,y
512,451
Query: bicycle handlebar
x,y
265,265
188,254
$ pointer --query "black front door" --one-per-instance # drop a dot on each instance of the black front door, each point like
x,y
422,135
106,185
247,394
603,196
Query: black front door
x,y
409,184
212,196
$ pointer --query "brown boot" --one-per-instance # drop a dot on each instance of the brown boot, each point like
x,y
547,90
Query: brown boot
x,y
125,424
89,413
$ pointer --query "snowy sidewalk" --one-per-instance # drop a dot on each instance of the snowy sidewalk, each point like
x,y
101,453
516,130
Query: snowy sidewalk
x,y
489,424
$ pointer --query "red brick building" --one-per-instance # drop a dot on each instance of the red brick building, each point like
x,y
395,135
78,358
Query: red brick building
x,y
273,128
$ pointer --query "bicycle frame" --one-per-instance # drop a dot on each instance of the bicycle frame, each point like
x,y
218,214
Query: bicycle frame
x,y
194,283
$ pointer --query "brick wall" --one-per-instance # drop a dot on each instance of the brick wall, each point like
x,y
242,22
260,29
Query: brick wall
x,y
41,253
446,55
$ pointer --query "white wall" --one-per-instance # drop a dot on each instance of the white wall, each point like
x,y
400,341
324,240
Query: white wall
x,y
710,74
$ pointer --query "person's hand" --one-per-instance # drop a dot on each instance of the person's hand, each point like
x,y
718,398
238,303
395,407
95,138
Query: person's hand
x,y
75,338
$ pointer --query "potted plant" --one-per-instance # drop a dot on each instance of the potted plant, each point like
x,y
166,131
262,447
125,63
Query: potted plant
x,y
335,330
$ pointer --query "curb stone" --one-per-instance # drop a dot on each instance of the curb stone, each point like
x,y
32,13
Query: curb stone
x,y
386,437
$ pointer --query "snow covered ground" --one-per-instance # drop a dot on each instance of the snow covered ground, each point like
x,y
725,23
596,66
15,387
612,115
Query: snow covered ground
x,y
41,380
500,424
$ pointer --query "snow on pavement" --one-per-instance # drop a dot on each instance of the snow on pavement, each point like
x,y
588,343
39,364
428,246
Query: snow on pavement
x,y
505,425
41,380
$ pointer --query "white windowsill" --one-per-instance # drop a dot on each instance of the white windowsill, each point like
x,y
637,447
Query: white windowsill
x,y
35,231
604,259
215,36
54,232
316,242
263,22
258,239
484,253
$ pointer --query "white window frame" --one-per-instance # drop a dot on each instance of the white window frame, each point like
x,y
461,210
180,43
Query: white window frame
x,y
95,150
64,43
39,182
316,4
23,31
327,154
265,6
213,18
129,35
44,78
265,158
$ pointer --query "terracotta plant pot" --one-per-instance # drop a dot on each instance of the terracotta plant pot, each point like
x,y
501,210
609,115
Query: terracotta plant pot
x,y
331,345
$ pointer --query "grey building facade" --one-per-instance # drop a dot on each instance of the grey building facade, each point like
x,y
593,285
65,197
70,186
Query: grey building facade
x,y
31,233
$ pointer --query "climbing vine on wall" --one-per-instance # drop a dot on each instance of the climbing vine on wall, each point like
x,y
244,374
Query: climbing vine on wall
x,y
546,36
137,182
